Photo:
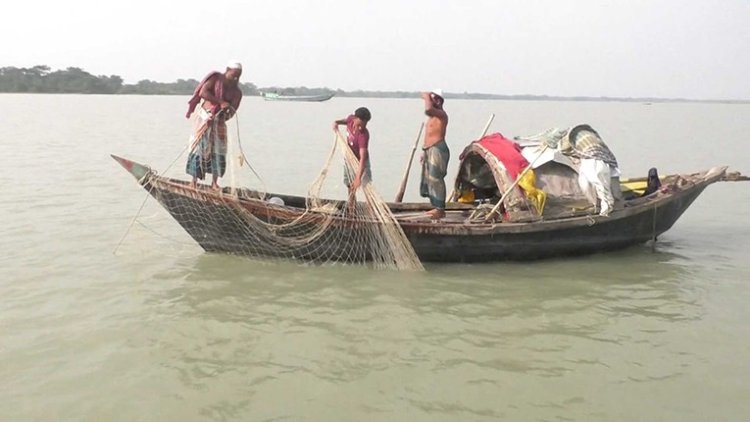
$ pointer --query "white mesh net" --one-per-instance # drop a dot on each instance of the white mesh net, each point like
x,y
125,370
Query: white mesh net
x,y
254,223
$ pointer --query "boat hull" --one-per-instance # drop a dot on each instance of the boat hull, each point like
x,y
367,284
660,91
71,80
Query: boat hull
x,y
303,98
228,224
595,234
225,227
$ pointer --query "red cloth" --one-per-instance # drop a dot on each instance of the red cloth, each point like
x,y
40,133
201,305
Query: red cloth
x,y
232,95
507,151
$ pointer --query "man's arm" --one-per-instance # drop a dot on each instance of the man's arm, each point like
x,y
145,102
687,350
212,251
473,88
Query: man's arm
x,y
207,92
337,123
229,112
236,101
363,156
429,109
427,101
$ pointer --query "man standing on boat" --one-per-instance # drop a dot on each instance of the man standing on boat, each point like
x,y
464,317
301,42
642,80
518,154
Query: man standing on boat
x,y
435,153
220,95
358,138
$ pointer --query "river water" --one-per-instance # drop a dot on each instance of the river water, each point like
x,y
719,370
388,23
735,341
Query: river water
x,y
161,330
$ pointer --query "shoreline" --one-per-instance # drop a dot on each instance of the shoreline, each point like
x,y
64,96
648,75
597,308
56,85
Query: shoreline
x,y
449,96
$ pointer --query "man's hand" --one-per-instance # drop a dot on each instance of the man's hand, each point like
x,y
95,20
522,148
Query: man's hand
x,y
225,105
356,183
335,125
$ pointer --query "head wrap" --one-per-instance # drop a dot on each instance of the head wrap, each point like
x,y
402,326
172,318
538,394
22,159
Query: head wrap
x,y
233,64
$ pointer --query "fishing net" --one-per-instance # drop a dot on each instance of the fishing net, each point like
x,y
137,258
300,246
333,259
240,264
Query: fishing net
x,y
254,223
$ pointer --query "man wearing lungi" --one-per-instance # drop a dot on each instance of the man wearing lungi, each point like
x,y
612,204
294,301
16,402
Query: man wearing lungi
x,y
435,154
358,139
219,97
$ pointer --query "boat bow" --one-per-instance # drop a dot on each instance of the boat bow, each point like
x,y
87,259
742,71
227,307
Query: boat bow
x,y
139,171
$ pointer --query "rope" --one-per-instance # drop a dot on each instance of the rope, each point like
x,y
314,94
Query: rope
x,y
244,157
653,231
173,240
145,199
130,226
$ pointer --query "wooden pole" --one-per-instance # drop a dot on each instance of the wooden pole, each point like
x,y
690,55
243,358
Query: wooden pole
x,y
515,183
487,126
452,196
402,188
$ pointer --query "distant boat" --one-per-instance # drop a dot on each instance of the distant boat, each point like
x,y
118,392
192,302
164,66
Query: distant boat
x,y
270,96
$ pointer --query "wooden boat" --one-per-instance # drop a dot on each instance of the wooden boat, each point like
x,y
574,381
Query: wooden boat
x,y
567,228
269,96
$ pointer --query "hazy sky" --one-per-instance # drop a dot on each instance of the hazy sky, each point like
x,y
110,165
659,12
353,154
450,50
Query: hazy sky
x,y
662,48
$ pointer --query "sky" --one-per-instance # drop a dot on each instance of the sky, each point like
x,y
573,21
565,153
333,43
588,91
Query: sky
x,y
618,48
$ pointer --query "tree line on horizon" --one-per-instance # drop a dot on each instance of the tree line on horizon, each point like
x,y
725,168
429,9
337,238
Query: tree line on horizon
x,y
74,80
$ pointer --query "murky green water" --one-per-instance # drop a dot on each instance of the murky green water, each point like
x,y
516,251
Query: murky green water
x,y
163,331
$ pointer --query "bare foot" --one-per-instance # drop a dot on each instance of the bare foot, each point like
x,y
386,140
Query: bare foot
x,y
436,214
215,186
194,184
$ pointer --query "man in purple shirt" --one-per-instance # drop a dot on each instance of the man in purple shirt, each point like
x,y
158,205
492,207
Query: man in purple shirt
x,y
214,101
358,138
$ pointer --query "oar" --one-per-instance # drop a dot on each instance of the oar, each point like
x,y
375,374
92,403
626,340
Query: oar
x,y
484,132
402,189
515,183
